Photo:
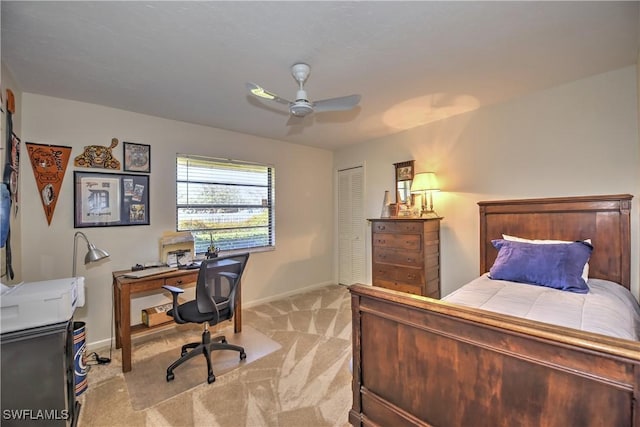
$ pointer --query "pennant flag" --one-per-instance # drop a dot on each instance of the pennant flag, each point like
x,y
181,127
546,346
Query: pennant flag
x,y
49,163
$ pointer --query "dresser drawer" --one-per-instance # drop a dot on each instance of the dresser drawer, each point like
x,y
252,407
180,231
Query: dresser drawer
x,y
391,256
399,241
383,272
407,275
402,287
397,227
411,276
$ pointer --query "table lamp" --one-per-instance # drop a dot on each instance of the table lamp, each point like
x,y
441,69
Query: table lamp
x,y
93,254
425,184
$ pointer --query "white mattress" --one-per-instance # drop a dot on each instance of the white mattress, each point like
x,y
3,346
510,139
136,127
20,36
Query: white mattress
x,y
607,309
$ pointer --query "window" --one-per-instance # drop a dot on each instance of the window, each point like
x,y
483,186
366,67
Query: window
x,y
229,203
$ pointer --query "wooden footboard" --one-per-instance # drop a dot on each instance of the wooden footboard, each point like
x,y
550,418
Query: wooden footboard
x,y
418,361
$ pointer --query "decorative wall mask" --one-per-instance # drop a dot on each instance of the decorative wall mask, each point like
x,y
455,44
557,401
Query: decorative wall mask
x,y
98,156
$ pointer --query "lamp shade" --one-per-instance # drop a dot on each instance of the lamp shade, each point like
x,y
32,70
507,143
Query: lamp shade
x,y
424,181
94,254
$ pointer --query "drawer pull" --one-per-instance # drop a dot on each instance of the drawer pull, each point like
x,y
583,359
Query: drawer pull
x,y
382,227
411,276
179,282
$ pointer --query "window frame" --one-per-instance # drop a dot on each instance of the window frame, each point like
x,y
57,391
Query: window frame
x,y
216,163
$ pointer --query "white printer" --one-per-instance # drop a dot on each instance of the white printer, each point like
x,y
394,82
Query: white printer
x,y
32,304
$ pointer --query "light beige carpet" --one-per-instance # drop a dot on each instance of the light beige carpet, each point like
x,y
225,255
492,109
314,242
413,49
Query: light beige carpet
x,y
147,383
306,382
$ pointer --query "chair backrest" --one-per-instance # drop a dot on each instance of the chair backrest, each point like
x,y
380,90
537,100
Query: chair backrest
x,y
218,280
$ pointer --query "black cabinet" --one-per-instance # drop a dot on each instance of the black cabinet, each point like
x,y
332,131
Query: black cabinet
x,y
38,377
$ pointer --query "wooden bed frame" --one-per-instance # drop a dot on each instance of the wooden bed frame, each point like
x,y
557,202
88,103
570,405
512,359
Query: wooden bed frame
x,y
420,361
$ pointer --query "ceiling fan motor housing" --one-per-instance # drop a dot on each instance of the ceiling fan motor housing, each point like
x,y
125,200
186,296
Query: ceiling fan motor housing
x,y
301,108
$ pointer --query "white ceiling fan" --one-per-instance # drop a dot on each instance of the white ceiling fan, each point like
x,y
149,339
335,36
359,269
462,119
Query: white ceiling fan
x,y
302,106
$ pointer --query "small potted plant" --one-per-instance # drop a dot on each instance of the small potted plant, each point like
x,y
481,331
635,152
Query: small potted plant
x,y
212,251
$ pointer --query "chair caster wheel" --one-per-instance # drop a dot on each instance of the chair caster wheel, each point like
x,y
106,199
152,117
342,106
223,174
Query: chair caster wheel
x,y
170,377
211,379
243,355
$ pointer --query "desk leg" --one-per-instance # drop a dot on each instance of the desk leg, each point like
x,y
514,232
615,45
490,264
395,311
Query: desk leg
x,y
125,327
116,313
237,317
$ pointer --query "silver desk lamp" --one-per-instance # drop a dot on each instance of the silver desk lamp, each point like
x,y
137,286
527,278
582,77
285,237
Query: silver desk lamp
x,y
93,254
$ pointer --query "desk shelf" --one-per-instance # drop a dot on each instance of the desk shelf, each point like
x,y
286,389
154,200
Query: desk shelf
x,y
141,327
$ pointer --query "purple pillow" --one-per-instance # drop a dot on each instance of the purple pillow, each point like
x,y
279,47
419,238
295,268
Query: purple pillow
x,y
556,266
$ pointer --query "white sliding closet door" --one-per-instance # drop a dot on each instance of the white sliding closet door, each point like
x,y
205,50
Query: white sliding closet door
x,y
351,226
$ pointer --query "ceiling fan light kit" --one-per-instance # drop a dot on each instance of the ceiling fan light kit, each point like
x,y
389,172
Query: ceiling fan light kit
x,y
302,107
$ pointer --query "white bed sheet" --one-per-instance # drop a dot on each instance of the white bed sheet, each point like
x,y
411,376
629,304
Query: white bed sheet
x,y
607,309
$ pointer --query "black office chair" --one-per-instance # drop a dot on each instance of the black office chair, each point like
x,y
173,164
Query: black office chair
x,y
215,302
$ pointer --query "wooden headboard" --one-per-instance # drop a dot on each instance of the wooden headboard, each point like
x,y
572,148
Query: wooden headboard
x,y
603,219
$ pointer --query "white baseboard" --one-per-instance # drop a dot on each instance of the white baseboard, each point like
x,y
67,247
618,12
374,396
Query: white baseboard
x,y
286,294
106,343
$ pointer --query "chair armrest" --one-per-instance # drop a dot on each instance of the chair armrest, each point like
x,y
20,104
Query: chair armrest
x,y
175,292
173,289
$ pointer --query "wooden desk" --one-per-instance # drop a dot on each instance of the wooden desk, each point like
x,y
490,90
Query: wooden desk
x,y
123,290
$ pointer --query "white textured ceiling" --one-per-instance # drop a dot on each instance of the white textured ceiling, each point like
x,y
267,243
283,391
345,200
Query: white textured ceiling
x,y
412,62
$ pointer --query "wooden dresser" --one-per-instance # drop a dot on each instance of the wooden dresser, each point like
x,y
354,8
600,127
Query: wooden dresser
x,y
406,255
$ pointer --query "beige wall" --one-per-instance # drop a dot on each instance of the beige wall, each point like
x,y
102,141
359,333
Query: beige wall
x,y
303,195
8,82
577,139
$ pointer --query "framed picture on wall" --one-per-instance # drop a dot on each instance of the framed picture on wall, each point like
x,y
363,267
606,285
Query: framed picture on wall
x,y
110,199
137,157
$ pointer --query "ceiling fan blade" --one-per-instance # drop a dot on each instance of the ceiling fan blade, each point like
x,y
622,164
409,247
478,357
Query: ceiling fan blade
x,y
260,92
336,104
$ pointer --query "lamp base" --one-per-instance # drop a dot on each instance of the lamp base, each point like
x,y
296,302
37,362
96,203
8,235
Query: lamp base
x,y
429,214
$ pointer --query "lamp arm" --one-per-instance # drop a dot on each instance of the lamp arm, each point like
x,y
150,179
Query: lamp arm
x,y
75,249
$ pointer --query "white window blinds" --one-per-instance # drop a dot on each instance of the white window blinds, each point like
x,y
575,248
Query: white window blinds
x,y
229,203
